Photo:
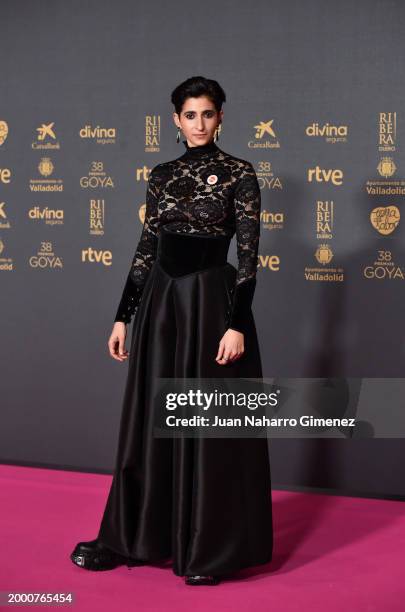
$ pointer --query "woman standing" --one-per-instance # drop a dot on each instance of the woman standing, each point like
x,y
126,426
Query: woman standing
x,y
204,503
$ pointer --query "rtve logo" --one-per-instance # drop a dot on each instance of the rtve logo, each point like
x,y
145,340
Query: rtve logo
x,y
320,175
5,174
97,256
272,262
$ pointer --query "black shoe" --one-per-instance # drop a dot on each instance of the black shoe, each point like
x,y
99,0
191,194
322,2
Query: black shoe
x,y
93,555
207,580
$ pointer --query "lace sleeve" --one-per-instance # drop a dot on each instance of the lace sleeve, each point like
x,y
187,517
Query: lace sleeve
x,y
247,200
145,253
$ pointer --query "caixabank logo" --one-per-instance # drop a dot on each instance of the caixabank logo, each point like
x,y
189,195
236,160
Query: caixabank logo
x,y
4,220
46,137
265,136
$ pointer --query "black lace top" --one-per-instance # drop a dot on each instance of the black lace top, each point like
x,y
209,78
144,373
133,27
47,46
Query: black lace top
x,y
226,206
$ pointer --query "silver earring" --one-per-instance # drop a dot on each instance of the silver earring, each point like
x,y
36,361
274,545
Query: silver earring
x,y
178,135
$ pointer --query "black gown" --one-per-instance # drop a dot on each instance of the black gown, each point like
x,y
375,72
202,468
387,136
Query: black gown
x,y
203,503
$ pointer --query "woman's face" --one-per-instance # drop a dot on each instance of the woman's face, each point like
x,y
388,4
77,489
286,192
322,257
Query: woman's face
x,y
198,120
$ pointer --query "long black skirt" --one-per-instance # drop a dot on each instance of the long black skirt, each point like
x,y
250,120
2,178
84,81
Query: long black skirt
x,y
203,503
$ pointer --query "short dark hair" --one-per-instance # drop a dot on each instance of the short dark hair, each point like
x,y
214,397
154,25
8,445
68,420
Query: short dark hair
x,y
195,87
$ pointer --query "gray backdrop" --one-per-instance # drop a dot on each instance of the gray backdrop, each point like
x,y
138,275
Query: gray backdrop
x,y
114,63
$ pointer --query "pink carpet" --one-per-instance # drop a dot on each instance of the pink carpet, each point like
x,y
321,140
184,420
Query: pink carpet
x,y
331,553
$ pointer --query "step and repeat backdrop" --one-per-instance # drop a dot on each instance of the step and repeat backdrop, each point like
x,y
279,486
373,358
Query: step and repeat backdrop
x,y
314,100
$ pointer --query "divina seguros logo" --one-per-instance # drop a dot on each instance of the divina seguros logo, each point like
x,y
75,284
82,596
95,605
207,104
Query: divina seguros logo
x,y
101,135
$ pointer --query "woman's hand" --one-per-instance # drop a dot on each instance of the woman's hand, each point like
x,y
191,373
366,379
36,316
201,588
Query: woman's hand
x,y
231,347
116,343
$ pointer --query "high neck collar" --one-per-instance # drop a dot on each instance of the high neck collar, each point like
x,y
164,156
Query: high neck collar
x,y
201,151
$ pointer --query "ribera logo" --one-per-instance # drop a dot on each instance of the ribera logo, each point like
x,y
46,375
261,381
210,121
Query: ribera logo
x,y
324,219
387,131
387,143
96,217
152,133
264,128
51,216
322,175
3,131
96,256
101,135
330,133
46,136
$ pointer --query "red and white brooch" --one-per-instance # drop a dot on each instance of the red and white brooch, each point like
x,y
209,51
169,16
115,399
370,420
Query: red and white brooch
x,y
212,179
